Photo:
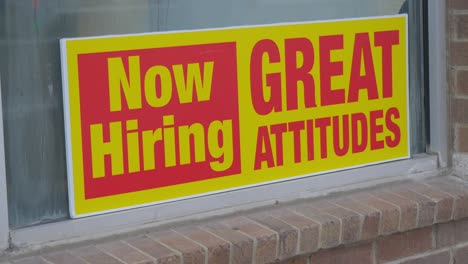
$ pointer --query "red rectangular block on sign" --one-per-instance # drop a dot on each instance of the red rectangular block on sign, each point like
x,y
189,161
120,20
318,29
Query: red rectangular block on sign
x,y
181,111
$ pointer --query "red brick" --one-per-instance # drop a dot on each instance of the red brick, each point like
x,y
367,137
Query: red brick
x,y
461,26
93,255
241,245
288,235
462,83
451,233
330,226
389,213
155,250
191,251
458,4
426,207
266,240
461,139
124,252
63,257
456,190
30,260
460,255
459,53
445,235
371,217
308,229
350,221
404,244
444,201
459,109
451,80
361,254
436,258
218,250
408,209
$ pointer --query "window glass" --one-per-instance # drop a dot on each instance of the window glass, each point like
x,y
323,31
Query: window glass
x,y
31,80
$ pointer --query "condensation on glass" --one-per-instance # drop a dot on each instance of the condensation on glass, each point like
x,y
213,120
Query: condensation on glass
x,y
31,80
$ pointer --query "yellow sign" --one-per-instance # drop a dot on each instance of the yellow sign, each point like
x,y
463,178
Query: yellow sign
x,y
158,117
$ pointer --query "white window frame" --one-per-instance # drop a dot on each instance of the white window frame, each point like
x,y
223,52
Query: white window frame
x,y
4,229
423,165
438,86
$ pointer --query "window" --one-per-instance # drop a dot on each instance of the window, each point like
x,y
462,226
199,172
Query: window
x,y
31,79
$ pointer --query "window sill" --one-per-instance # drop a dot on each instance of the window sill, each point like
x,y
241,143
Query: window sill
x,y
73,231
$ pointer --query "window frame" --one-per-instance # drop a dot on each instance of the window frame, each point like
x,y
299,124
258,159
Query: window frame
x,y
4,225
438,86
428,164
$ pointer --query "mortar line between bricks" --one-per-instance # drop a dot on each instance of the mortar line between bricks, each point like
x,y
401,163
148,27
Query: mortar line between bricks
x,y
319,244
362,218
299,214
461,125
374,252
349,209
231,246
340,239
114,256
397,206
461,97
254,243
194,241
276,234
459,67
418,207
436,201
460,245
425,254
141,251
84,260
365,205
454,198
458,39
460,12
298,230
118,260
168,247
45,260
452,260
110,254
380,231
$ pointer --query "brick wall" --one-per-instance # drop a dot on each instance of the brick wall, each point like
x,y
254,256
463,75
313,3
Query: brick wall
x,y
439,244
457,35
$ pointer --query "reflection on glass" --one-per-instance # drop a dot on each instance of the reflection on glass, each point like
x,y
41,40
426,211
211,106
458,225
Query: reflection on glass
x,y
31,79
